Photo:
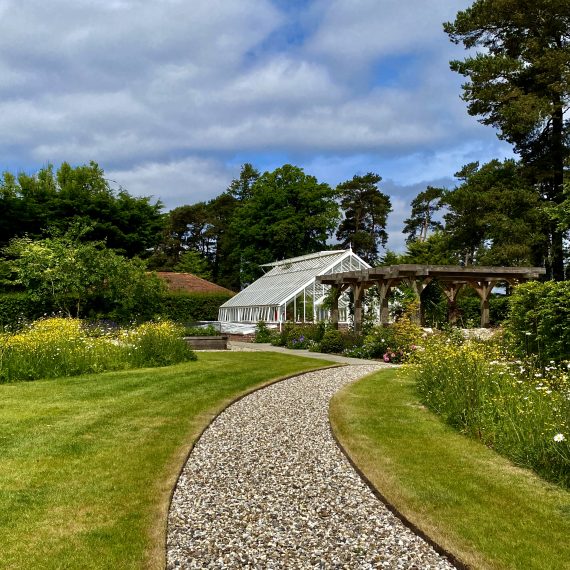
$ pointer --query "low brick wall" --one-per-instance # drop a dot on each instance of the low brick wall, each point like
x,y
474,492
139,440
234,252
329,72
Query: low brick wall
x,y
241,337
207,342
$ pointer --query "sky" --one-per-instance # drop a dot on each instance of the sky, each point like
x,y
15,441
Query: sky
x,y
171,97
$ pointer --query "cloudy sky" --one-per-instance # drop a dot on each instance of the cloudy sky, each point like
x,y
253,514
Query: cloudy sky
x,y
170,97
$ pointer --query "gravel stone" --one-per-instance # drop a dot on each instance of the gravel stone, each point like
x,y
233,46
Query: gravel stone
x,y
266,487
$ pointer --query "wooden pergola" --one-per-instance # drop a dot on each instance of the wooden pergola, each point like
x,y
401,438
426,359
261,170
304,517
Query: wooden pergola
x,y
451,277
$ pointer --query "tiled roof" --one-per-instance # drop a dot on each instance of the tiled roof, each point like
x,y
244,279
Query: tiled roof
x,y
189,283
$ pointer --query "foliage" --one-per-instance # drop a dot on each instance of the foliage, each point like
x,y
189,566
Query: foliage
x,y
48,200
436,249
538,321
17,309
366,211
299,336
192,262
495,217
394,343
517,409
469,309
421,221
208,330
519,84
56,347
71,275
332,342
263,333
288,214
186,308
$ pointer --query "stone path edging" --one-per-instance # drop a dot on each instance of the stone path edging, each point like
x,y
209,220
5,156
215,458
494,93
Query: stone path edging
x,y
458,564
267,487
215,417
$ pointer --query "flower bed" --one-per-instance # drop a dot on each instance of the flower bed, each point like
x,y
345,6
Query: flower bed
x,y
56,347
513,406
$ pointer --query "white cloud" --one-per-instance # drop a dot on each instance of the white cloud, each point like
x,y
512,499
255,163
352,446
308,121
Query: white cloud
x,y
177,182
360,31
165,94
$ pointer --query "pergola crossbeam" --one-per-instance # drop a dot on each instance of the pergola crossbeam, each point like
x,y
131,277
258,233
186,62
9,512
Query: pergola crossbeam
x,y
451,277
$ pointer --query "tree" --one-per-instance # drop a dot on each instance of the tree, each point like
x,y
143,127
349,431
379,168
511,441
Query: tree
x,y
289,213
494,217
424,206
434,250
366,211
75,275
192,262
241,187
37,204
520,85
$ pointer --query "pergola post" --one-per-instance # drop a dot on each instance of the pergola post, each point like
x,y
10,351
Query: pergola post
x,y
451,290
484,289
358,293
384,288
335,295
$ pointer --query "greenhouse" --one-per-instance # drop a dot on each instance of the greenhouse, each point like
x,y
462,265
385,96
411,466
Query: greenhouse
x,y
289,291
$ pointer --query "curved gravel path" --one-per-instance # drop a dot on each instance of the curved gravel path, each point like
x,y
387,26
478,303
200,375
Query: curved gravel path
x,y
267,487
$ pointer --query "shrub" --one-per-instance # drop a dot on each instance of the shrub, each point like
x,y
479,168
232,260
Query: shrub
x,y
263,333
539,320
293,335
209,330
332,342
184,307
17,309
156,344
56,347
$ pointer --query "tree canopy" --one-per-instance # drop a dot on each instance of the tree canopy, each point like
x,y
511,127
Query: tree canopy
x,y
424,207
289,213
366,211
519,83
34,205
74,274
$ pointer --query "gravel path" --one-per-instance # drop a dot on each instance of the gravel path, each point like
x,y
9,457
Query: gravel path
x,y
266,487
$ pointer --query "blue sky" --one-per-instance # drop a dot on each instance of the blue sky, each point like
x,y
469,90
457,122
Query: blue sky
x,y
171,97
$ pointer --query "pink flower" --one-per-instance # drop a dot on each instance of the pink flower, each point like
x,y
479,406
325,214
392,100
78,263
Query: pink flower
x,y
386,358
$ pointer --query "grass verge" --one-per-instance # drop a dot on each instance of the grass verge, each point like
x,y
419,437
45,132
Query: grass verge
x,y
469,500
87,464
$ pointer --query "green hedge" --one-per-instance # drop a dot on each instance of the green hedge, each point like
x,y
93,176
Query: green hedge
x,y
539,319
18,307
185,308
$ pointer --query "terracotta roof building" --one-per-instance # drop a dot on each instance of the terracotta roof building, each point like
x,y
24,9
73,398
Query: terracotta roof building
x,y
188,283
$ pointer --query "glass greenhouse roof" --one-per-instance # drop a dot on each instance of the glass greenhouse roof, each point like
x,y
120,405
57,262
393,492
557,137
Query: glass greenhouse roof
x,y
286,278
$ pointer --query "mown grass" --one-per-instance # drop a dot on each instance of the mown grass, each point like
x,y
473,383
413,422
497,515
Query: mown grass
x,y
87,464
473,502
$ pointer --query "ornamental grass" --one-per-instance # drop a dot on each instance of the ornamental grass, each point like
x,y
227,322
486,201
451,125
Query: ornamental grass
x,y
56,347
515,407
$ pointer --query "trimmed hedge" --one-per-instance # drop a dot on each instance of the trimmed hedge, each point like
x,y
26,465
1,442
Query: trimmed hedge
x,y
16,308
185,308
539,320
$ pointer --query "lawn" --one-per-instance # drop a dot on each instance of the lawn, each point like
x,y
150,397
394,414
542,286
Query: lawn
x,y
474,503
87,464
